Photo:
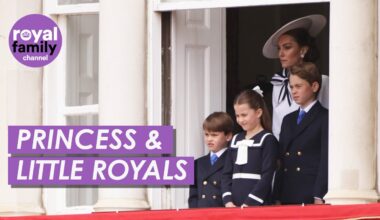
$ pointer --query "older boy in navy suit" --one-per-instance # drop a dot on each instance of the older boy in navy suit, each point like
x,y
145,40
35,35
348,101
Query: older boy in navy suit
x,y
302,177
206,191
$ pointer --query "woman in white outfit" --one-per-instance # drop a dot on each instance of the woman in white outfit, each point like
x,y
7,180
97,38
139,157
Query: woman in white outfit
x,y
292,44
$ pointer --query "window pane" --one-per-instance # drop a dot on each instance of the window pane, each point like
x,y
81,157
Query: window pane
x,y
72,2
82,195
82,60
82,120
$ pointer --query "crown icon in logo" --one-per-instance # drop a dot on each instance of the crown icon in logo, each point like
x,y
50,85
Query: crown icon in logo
x,y
26,34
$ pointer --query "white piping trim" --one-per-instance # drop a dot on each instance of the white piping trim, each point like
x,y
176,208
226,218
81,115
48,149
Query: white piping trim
x,y
256,198
262,140
226,194
234,145
246,176
233,140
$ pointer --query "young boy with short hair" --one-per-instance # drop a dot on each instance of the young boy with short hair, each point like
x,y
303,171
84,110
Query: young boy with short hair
x,y
302,177
206,191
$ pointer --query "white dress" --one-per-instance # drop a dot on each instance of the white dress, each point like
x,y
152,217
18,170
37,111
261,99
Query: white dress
x,y
283,103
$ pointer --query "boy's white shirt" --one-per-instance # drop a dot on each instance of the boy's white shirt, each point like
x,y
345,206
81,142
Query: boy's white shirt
x,y
307,109
219,153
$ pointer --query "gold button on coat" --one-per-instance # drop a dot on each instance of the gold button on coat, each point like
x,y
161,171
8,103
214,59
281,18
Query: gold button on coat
x,y
204,182
203,196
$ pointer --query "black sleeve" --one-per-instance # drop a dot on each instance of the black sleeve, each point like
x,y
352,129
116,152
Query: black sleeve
x,y
320,188
193,190
277,187
227,178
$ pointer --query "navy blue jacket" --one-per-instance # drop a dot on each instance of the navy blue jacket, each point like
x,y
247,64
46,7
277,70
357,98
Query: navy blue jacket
x,y
206,191
303,171
250,183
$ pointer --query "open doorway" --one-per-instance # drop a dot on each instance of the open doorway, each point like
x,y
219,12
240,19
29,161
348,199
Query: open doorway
x,y
209,56
247,30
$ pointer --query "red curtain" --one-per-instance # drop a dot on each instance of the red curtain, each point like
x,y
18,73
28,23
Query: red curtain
x,y
320,212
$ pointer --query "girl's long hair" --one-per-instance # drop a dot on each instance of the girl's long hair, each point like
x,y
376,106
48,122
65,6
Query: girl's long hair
x,y
255,101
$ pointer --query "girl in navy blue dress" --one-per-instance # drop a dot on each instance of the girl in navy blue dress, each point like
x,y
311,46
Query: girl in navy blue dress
x,y
251,159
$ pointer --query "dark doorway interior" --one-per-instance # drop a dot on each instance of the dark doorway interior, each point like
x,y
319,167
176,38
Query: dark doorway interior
x,y
248,28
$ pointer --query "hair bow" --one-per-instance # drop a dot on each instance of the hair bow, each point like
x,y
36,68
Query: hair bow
x,y
258,90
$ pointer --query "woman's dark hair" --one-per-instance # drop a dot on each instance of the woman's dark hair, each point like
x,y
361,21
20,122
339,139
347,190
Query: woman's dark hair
x,y
255,101
303,38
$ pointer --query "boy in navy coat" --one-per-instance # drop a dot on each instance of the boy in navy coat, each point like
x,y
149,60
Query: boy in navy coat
x,y
206,191
302,176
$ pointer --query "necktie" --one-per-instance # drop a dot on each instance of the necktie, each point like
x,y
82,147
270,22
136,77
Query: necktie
x,y
301,115
213,158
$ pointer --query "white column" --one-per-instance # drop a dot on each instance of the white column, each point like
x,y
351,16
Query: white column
x,y
20,104
378,99
353,106
122,85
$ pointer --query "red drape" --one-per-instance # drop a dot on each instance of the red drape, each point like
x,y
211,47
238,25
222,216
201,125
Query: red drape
x,y
320,212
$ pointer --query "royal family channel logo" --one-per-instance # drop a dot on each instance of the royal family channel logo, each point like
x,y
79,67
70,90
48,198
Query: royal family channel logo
x,y
35,40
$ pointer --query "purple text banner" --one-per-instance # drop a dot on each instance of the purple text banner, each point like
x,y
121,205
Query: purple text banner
x,y
90,139
101,171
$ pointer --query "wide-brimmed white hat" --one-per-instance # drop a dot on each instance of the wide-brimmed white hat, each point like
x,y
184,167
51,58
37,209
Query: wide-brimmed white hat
x,y
312,23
